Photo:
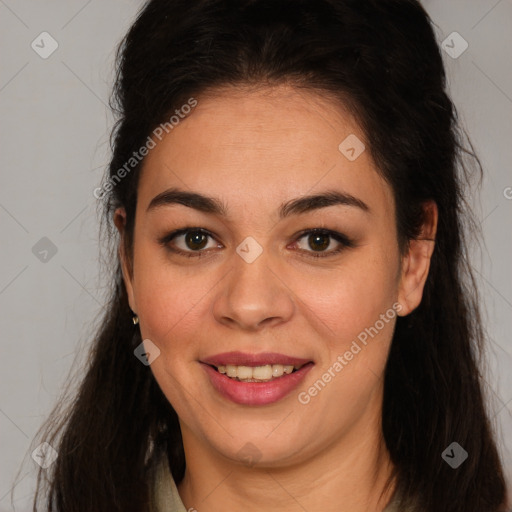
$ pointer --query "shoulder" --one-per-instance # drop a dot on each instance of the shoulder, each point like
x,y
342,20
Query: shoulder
x,y
164,493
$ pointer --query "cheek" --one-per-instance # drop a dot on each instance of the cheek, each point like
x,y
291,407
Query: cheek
x,y
172,305
356,304
359,312
170,299
351,298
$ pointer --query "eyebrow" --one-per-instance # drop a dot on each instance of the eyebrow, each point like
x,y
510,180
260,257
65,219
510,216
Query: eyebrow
x,y
297,206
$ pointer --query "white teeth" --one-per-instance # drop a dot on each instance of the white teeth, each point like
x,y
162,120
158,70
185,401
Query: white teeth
x,y
259,372
256,373
244,372
231,370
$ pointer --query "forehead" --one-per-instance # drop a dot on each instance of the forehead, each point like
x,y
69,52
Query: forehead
x,y
262,147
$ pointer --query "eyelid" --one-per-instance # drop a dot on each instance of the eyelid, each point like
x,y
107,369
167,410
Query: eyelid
x,y
342,239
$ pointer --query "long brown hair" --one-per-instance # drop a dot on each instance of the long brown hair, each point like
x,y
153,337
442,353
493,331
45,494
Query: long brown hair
x,y
380,57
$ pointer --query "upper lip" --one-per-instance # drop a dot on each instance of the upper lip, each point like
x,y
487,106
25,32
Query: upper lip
x,y
245,359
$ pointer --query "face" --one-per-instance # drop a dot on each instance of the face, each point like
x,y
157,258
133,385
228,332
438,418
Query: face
x,y
267,276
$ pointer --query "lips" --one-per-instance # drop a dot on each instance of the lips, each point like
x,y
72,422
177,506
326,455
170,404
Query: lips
x,y
244,359
250,392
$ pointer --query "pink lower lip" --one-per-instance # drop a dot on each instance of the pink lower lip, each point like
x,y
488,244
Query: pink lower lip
x,y
256,393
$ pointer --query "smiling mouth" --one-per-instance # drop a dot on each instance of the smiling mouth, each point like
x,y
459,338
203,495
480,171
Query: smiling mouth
x,y
264,373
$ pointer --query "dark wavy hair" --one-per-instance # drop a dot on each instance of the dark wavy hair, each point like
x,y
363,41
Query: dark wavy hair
x,y
381,60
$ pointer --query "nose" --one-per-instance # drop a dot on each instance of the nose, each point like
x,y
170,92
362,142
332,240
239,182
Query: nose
x,y
253,296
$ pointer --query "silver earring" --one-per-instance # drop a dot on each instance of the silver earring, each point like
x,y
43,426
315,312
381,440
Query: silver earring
x,y
135,319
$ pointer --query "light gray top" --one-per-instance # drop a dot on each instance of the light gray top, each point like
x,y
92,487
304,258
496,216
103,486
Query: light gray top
x,y
167,498
165,493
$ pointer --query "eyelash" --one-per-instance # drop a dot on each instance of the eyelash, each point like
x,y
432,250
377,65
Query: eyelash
x,y
339,237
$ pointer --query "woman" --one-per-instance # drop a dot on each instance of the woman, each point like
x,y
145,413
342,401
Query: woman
x,y
293,324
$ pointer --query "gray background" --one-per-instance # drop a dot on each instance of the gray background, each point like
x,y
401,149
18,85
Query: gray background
x,y
54,149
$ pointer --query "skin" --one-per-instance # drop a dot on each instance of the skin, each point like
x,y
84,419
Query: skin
x,y
254,150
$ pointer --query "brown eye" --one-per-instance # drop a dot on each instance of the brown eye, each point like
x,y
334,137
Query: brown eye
x,y
190,242
319,242
196,240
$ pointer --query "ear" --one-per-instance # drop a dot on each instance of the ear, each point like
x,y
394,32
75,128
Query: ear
x,y
126,264
416,262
